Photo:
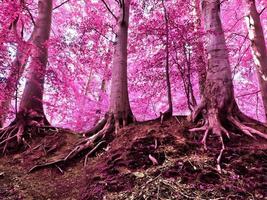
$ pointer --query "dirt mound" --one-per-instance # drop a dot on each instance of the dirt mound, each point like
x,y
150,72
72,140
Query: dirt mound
x,y
154,161
144,161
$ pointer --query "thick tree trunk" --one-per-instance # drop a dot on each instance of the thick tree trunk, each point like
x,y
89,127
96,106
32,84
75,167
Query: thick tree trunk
x,y
120,113
218,91
258,47
32,98
119,98
218,100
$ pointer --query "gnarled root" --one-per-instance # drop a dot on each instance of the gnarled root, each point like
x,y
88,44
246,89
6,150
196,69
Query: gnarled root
x,y
98,127
89,144
14,136
213,124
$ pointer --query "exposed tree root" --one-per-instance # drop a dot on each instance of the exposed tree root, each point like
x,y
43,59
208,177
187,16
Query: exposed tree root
x,y
90,144
213,124
100,125
92,151
15,135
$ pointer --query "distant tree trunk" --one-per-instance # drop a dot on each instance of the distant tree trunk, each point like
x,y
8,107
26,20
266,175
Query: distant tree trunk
x,y
219,103
258,47
201,57
186,76
119,98
169,112
16,71
11,84
32,98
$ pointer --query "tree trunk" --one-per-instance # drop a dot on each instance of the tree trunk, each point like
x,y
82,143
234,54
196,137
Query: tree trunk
x,y
258,47
32,98
201,57
218,91
16,71
119,109
11,84
119,113
191,100
31,112
119,99
218,100
167,70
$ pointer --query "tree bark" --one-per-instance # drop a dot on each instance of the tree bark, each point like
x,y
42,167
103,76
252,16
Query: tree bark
x,y
32,98
119,99
258,47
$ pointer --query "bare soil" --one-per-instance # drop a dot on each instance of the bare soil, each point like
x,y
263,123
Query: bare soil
x,y
144,161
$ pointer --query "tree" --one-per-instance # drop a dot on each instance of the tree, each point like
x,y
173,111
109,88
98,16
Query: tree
x,y
119,113
119,107
31,112
167,113
218,101
258,47
15,74
201,56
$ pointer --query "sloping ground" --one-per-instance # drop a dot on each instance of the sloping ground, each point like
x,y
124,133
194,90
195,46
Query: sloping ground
x,y
145,161
51,183
184,170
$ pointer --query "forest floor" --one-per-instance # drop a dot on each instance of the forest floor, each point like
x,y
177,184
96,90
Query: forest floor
x,y
149,160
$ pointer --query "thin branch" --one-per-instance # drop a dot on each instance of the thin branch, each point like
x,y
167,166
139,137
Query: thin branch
x,y
247,94
237,20
61,4
112,29
101,34
108,8
241,57
262,11
32,19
